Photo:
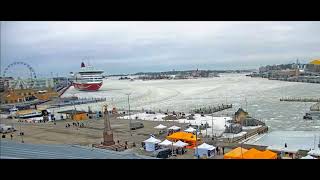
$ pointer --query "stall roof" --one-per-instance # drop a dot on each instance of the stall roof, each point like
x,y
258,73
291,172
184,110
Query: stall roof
x,y
182,136
174,128
180,144
269,155
165,143
256,154
252,154
206,146
160,126
299,140
236,153
152,140
314,152
190,129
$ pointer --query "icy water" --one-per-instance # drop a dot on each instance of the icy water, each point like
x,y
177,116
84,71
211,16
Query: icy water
x,y
262,97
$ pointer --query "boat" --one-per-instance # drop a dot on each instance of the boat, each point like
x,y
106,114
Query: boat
x,y
88,78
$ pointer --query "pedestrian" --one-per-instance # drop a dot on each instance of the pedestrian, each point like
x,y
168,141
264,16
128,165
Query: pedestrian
x,y
285,145
223,150
11,136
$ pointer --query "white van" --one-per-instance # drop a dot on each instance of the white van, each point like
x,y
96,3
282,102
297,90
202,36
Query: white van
x,y
6,129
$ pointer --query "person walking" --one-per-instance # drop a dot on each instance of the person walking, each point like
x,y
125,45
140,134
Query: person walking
x,y
11,136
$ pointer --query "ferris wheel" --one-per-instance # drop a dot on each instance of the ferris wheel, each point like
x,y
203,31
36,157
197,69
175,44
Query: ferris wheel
x,y
23,74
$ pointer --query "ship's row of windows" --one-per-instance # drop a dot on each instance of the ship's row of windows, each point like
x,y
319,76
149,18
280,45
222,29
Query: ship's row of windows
x,y
88,80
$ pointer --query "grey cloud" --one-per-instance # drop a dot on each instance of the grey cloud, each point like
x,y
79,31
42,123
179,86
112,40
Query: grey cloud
x,y
119,47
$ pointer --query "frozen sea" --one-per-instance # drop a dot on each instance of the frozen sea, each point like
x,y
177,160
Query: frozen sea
x,y
262,97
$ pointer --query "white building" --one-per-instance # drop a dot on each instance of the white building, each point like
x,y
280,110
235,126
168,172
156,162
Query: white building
x,y
28,83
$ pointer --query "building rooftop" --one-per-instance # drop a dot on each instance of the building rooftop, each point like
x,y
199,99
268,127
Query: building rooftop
x,y
295,140
14,150
316,62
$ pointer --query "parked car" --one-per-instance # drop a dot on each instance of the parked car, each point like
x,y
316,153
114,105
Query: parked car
x,y
162,153
136,125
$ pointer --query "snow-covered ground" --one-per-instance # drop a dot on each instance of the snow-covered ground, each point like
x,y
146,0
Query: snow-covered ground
x,y
230,135
218,122
250,127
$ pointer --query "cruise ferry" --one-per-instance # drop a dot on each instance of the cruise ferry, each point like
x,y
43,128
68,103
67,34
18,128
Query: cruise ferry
x,y
88,78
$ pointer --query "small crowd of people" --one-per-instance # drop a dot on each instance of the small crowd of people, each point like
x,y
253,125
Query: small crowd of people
x,y
75,124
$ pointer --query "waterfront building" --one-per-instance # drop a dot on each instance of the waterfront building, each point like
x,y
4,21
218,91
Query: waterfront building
x,y
23,95
4,83
31,83
314,66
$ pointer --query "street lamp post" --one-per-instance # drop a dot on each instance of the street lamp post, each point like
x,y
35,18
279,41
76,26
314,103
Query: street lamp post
x,y
129,113
197,142
212,125
21,134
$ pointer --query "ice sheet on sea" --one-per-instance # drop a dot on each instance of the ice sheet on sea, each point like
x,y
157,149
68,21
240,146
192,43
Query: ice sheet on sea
x,y
184,95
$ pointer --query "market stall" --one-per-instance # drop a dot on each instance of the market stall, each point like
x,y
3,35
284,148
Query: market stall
x,y
205,150
150,144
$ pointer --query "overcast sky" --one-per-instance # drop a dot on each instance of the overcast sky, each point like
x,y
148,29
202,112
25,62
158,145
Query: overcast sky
x,y
127,47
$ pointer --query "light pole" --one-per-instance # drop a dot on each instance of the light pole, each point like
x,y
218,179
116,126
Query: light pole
x,y
212,125
197,142
129,113
21,134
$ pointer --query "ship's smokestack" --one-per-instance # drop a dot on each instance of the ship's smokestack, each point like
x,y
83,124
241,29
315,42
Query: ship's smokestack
x,y
82,64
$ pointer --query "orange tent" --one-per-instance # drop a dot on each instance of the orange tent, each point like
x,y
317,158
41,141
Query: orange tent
x,y
236,153
185,137
256,154
269,155
252,154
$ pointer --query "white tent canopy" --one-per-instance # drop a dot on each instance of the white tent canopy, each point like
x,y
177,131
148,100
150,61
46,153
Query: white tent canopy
x,y
308,157
314,152
174,128
150,143
206,146
190,129
160,126
165,143
205,150
180,144
152,140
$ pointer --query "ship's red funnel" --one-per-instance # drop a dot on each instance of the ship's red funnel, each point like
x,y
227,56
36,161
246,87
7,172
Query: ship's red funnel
x,y
82,64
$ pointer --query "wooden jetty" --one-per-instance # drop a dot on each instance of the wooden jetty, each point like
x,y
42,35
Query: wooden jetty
x,y
296,99
210,110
